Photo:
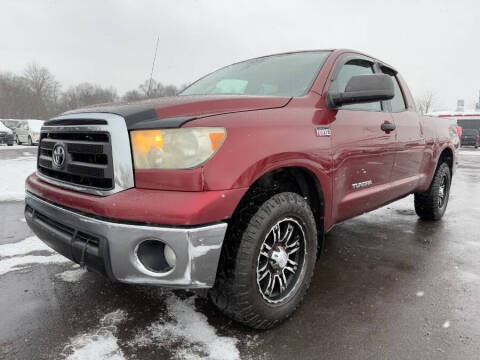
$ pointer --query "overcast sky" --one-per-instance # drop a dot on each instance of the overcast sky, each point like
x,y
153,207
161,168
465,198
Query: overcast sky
x,y
435,44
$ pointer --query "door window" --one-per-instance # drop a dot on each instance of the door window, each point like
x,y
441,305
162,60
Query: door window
x,y
398,101
353,68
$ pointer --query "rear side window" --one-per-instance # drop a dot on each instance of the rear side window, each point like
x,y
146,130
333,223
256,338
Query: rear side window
x,y
398,101
354,68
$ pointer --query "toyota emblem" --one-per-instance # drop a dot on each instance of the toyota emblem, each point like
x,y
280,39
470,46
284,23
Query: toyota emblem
x,y
58,155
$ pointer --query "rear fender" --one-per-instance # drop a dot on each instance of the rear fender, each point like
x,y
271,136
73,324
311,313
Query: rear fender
x,y
432,165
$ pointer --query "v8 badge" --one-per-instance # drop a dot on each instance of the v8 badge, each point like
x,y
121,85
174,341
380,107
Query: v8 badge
x,y
323,131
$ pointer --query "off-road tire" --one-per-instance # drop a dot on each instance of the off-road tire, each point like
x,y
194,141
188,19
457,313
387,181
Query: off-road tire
x,y
427,203
235,291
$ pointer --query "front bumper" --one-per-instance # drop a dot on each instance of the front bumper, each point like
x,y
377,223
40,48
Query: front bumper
x,y
109,247
469,142
6,139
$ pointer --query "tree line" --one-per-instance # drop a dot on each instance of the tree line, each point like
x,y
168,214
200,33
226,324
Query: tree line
x,y
36,94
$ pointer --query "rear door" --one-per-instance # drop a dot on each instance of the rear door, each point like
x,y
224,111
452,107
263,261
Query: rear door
x,y
20,131
363,154
406,172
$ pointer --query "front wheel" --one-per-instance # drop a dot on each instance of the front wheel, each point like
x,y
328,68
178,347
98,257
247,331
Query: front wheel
x,y
30,142
431,204
265,272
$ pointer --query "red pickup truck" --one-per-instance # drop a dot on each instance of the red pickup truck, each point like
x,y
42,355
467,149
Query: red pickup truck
x,y
232,184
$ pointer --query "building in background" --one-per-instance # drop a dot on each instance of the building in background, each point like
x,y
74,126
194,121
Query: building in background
x,y
466,118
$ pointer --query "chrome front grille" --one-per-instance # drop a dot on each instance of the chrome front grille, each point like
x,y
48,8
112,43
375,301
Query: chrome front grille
x,y
95,153
88,158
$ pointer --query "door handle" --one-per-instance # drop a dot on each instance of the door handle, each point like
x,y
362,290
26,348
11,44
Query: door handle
x,y
387,127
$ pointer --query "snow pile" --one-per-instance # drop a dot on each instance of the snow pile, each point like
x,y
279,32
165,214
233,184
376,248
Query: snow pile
x,y
23,247
185,333
188,334
99,344
17,256
72,275
13,175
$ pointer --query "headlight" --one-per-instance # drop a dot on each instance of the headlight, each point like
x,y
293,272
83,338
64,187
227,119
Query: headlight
x,y
175,148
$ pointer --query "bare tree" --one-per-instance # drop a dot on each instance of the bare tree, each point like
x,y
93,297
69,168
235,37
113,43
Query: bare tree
x,y
17,101
86,94
44,87
36,94
150,89
426,102
133,95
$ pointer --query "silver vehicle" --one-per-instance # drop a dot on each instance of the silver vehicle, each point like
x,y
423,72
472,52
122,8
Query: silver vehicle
x,y
28,131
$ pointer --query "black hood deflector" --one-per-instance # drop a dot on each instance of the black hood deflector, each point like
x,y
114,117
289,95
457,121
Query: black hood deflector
x,y
174,112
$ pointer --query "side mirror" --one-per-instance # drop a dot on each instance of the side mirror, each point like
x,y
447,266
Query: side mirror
x,y
363,89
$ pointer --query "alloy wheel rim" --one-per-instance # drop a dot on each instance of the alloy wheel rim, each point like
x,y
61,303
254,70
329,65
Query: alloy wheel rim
x,y
443,192
280,263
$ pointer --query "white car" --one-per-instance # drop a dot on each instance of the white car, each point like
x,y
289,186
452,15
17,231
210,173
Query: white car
x,y
28,131
6,135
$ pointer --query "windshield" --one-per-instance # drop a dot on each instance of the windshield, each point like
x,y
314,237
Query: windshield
x,y
3,128
12,124
277,75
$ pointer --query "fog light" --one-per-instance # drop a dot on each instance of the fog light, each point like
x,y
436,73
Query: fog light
x,y
155,256
169,256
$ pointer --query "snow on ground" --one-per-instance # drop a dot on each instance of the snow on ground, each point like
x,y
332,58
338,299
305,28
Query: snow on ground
x,y
101,343
18,256
25,147
13,173
188,333
73,276
471,151
182,330
23,247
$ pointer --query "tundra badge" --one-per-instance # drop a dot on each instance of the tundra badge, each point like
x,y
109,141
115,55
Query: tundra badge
x,y
362,184
323,131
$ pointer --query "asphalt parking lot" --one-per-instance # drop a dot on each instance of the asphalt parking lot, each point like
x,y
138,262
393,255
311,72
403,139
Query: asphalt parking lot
x,y
388,286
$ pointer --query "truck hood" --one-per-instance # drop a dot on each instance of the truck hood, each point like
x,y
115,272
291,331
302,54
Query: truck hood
x,y
172,112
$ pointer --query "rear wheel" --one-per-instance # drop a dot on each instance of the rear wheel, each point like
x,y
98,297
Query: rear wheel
x,y
431,204
18,140
267,263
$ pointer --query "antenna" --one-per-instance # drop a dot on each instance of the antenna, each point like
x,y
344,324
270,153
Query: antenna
x,y
153,66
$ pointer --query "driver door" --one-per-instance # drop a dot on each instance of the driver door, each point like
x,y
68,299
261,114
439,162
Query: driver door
x,y
363,153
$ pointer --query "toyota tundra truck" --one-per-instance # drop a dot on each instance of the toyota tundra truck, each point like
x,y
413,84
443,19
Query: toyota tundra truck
x,y
232,184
